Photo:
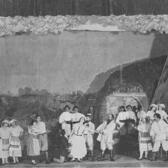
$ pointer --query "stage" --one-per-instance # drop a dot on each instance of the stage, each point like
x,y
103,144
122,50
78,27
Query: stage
x,y
121,161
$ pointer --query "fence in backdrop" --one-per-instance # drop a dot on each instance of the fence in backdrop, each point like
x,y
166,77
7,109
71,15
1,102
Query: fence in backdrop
x,y
82,7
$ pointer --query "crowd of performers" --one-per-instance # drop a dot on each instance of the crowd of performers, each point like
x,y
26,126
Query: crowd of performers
x,y
76,135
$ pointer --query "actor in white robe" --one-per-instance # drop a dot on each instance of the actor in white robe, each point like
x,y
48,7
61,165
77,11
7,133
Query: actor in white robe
x,y
77,140
158,133
5,136
15,150
65,119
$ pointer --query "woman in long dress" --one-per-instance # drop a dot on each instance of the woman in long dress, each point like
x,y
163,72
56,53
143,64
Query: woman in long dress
x,y
15,150
77,140
33,146
5,136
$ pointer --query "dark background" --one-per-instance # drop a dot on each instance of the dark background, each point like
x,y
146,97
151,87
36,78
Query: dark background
x,y
82,7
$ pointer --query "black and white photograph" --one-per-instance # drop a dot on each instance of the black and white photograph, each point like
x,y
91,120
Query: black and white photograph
x,y
83,83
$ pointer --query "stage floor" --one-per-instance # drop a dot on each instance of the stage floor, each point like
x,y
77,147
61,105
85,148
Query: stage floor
x,y
122,161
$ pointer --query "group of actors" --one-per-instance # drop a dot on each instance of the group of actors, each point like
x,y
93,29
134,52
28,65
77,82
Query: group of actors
x,y
76,133
79,130
36,140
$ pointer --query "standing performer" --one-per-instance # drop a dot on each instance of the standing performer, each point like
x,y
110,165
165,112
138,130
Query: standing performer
x,y
105,137
90,129
141,114
145,143
33,146
152,111
76,116
121,116
15,150
65,121
5,136
78,148
130,114
158,133
161,111
43,138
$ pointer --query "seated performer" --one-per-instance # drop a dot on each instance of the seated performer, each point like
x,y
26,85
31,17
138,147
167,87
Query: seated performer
x,y
106,131
5,136
161,111
43,138
158,133
65,121
145,143
15,150
89,132
78,144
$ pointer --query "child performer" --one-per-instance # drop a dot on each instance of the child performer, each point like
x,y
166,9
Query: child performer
x,y
15,150
90,129
5,136
145,143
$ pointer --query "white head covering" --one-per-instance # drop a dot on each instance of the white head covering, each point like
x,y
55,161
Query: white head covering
x,y
153,105
12,121
5,121
162,105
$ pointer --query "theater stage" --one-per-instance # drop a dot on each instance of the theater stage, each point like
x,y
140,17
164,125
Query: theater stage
x,y
121,161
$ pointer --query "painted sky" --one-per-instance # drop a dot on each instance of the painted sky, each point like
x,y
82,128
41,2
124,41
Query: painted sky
x,y
68,61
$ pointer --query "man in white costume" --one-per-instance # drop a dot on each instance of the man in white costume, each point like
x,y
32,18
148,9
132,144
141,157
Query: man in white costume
x,y
158,133
151,112
65,121
161,111
105,137
89,133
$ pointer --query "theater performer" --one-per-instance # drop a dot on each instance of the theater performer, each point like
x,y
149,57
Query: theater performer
x,y
65,121
43,139
16,132
78,144
76,116
33,145
152,111
130,113
106,131
89,133
121,116
5,136
161,111
145,143
158,133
